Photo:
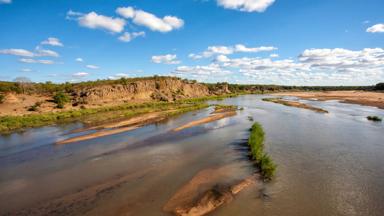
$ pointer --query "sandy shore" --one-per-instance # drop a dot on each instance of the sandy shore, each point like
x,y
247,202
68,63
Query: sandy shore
x,y
366,98
117,127
203,194
211,118
295,104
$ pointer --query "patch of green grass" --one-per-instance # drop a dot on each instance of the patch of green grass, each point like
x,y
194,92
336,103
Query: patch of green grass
x,y
263,160
374,118
224,108
93,115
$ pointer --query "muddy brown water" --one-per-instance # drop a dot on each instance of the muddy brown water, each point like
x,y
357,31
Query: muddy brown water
x,y
328,164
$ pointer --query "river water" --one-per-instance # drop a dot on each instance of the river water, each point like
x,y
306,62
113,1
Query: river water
x,y
328,164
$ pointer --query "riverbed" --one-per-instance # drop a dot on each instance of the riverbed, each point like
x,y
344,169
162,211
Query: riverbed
x,y
328,163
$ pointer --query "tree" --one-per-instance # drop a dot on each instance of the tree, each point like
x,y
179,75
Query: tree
x,y
60,99
379,86
23,82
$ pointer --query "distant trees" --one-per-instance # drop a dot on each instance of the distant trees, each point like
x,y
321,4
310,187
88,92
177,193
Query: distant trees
x,y
379,87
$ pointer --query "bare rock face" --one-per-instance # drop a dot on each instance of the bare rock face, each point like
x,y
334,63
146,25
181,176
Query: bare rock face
x,y
167,89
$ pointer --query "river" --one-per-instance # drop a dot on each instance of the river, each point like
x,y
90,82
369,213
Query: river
x,y
328,164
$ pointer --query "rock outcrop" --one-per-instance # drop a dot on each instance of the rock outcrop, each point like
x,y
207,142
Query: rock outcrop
x,y
169,89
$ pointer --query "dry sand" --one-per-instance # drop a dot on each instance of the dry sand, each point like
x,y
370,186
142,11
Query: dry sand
x,y
211,118
366,98
296,104
202,194
117,127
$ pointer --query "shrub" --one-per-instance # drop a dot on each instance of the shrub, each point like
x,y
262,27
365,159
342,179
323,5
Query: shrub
x,y
2,98
256,143
60,99
374,118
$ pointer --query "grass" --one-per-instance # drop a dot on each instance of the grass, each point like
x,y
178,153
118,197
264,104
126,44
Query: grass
x,y
263,160
93,115
224,108
374,118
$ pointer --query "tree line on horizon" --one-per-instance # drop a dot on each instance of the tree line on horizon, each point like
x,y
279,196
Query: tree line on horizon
x,y
27,87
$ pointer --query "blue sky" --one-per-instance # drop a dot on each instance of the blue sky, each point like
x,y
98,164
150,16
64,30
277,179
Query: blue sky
x,y
301,42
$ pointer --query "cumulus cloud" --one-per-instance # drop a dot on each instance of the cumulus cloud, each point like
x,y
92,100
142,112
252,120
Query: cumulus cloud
x,y
17,52
36,61
376,28
228,50
127,37
52,42
149,20
165,59
93,20
246,5
39,52
313,66
79,60
80,74
94,67
5,1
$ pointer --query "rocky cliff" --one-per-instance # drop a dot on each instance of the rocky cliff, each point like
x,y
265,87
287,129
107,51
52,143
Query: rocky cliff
x,y
169,89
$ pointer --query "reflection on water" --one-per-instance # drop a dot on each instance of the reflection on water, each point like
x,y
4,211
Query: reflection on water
x,y
328,164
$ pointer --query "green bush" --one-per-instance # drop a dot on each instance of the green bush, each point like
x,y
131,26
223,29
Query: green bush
x,y
60,99
2,98
374,118
256,143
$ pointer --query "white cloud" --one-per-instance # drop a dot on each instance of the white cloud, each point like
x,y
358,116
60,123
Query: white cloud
x,y
36,61
195,56
151,21
246,5
93,20
127,37
94,67
242,48
46,53
5,1
26,53
80,74
79,60
312,67
222,58
119,76
17,52
228,50
165,59
376,28
52,42
274,55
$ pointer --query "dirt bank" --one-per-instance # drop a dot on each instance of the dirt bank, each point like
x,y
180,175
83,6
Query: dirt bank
x,y
366,98
295,104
